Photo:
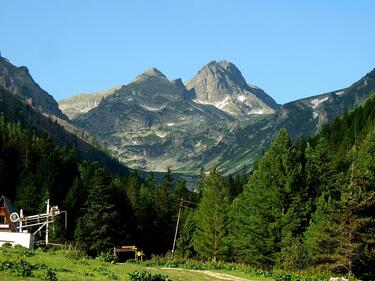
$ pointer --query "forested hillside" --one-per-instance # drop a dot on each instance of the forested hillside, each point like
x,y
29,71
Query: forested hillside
x,y
59,131
142,212
308,204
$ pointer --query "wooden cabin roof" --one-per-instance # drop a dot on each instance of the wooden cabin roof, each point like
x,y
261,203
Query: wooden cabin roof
x,y
6,209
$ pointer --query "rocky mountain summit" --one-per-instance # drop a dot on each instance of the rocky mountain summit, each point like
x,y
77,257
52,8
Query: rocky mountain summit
x,y
216,120
222,85
153,123
18,81
82,103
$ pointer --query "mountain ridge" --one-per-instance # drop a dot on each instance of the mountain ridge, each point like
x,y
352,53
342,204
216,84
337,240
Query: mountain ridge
x,y
18,81
232,144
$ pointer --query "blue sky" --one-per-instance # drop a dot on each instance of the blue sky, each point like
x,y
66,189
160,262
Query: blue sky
x,y
291,49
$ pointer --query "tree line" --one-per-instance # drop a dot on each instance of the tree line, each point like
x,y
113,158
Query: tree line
x,y
306,204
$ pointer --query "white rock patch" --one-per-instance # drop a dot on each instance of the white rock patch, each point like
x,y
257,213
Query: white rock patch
x,y
153,109
241,98
316,102
259,111
219,105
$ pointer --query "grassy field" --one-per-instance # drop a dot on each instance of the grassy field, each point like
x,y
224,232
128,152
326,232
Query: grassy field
x,y
68,265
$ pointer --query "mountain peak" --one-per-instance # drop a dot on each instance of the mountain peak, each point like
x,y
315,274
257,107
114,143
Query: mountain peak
x,y
225,63
151,72
221,84
154,72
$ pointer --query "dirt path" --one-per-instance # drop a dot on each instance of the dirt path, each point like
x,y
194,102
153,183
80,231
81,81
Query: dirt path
x,y
217,275
222,276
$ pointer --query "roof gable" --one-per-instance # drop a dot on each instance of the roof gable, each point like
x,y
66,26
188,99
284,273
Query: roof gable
x,y
8,204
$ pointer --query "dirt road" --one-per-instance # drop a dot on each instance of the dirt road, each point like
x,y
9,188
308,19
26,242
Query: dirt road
x,y
217,275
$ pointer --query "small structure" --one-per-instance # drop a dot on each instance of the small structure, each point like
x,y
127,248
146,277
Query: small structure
x,y
8,228
14,227
6,208
138,254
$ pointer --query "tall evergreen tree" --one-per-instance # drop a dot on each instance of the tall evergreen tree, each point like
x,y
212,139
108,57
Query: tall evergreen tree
x,y
96,229
184,243
211,219
341,235
258,215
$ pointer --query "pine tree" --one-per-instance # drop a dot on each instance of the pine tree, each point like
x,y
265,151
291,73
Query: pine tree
x,y
184,243
261,215
341,235
168,179
211,219
96,229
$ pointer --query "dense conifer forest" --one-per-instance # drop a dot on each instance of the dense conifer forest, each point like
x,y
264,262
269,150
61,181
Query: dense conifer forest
x,y
306,204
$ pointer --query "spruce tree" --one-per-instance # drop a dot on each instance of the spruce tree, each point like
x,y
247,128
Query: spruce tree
x,y
184,243
341,235
211,219
96,229
261,215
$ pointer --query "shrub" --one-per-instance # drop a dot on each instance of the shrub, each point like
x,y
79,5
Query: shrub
x,y
6,245
27,253
75,255
22,268
5,265
105,257
50,275
107,273
147,276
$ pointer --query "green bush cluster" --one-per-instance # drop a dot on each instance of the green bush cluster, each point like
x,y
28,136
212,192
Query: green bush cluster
x,y
20,268
23,268
105,257
107,273
147,276
50,275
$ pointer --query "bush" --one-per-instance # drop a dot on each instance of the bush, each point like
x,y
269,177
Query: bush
x,y
50,275
75,255
22,268
27,253
105,257
107,273
147,276
6,265
6,245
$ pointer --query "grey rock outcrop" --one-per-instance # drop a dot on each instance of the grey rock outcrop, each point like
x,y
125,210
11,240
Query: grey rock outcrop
x,y
222,85
18,81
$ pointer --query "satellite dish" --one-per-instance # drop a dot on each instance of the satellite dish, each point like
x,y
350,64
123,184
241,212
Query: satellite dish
x,y
14,217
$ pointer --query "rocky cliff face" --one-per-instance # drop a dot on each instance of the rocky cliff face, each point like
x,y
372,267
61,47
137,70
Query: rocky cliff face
x,y
152,123
301,118
82,103
222,85
18,81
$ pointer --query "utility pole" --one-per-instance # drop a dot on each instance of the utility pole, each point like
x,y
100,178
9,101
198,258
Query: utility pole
x,y
177,224
182,201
